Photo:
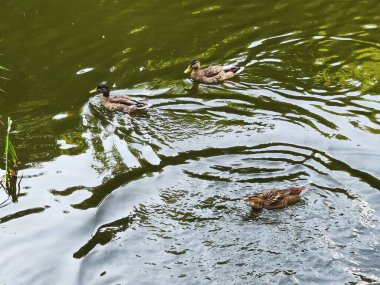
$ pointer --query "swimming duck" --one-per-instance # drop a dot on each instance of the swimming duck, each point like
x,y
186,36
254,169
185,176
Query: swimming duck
x,y
212,74
274,199
122,103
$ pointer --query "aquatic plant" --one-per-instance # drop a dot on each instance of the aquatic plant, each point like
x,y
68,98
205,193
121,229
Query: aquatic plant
x,y
10,159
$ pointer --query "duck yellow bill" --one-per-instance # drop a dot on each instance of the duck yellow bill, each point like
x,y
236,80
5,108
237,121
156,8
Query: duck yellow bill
x,y
188,69
93,90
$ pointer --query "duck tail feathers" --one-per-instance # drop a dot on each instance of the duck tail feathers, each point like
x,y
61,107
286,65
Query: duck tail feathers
x,y
297,190
142,106
233,69
305,188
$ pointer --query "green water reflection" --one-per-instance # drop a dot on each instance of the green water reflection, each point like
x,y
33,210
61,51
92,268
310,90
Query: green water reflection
x,y
108,199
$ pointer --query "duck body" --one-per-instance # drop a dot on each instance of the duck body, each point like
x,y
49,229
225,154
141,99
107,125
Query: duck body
x,y
275,199
121,103
212,74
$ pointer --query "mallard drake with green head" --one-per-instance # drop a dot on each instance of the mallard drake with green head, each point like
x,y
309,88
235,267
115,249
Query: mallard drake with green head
x,y
122,103
212,74
275,199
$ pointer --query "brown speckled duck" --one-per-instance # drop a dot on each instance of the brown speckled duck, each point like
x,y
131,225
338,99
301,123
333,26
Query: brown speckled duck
x,y
122,103
275,199
212,74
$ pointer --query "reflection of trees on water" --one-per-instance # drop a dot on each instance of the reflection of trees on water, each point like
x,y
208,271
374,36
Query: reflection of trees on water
x,y
104,235
363,75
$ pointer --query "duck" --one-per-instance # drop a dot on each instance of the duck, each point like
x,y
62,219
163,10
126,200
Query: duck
x,y
212,74
122,103
275,199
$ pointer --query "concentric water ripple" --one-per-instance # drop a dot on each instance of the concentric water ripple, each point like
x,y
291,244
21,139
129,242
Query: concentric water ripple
x,y
192,217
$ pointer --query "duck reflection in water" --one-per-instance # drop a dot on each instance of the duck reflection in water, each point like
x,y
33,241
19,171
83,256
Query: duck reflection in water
x,y
193,91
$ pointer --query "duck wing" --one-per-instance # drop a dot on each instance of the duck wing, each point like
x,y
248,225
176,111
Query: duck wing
x,y
284,197
126,100
274,198
296,190
233,69
213,71
119,99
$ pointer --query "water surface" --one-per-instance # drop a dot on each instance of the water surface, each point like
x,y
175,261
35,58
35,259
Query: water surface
x,y
156,198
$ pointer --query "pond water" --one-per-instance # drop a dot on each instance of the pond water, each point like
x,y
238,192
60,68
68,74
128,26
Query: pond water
x,y
156,198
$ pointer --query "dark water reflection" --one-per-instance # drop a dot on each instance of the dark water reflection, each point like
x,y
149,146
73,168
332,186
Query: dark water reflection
x,y
155,198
